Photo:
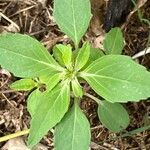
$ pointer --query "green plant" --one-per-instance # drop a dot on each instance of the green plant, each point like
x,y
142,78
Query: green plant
x,y
55,86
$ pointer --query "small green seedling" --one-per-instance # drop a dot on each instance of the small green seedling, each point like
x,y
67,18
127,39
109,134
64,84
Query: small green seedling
x,y
55,80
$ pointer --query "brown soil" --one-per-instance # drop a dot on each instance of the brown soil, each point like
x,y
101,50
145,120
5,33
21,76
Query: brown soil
x,y
35,19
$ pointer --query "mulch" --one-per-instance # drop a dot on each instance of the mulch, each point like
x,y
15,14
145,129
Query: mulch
x,y
35,19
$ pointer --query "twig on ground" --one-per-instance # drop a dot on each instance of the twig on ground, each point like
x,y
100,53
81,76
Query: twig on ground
x,y
14,135
10,21
95,146
7,99
7,91
22,10
29,2
141,53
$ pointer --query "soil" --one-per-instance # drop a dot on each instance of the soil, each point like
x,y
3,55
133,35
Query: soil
x,y
34,17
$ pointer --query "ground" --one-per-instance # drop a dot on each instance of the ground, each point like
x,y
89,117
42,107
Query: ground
x,y
34,17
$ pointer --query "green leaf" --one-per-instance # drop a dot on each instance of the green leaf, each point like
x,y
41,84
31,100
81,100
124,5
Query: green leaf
x,y
95,53
25,56
33,101
117,78
73,132
76,87
135,131
114,41
52,107
73,17
63,54
50,81
23,85
82,56
113,116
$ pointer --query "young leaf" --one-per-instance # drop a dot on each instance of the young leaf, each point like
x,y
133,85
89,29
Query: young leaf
x,y
114,41
73,22
113,116
82,56
63,54
73,132
33,101
50,81
76,87
52,107
23,85
117,78
25,56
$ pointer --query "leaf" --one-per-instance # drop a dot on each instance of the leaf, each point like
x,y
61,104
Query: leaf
x,y
63,54
114,41
118,79
52,107
113,116
95,53
73,132
73,17
50,81
136,131
23,85
25,56
33,101
82,56
76,87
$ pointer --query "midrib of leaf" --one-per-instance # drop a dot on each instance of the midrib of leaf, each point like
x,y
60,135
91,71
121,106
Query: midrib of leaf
x,y
60,95
74,126
41,62
111,78
45,118
106,77
114,42
99,70
51,108
61,15
102,86
74,23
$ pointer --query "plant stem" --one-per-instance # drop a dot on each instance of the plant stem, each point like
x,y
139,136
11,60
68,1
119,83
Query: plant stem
x,y
93,97
76,46
76,99
14,135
